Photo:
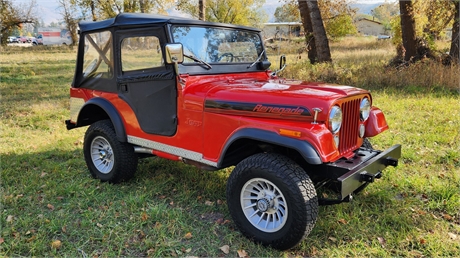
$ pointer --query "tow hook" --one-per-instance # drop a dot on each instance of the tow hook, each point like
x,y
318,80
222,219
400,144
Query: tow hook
x,y
369,178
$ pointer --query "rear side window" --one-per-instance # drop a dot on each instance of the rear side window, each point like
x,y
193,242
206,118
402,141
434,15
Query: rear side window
x,y
97,60
141,53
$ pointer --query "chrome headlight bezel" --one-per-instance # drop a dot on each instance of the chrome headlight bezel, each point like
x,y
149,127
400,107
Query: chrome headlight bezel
x,y
364,109
335,119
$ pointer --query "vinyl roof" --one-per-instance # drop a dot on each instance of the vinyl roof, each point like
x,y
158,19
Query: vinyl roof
x,y
144,19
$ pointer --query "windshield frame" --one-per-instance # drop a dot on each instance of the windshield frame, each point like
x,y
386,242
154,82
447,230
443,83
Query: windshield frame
x,y
193,67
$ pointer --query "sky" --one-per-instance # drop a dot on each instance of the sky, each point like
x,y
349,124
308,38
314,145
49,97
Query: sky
x,y
47,9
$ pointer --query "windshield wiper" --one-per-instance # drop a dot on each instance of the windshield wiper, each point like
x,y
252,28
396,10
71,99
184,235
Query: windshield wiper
x,y
198,60
257,60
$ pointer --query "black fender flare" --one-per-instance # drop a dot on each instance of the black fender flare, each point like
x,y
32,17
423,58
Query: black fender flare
x,y
111,112
305,149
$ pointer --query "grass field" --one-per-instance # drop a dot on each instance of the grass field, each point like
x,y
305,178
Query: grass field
x,y
52,207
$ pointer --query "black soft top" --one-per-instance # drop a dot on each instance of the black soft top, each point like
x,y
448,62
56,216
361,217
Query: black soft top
x,y
133,19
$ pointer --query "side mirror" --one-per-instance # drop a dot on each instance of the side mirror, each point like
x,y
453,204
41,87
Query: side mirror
x,y
282,62
282,65
174,53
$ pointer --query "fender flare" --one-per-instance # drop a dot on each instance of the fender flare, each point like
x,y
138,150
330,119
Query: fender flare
x,y
111,112
305,149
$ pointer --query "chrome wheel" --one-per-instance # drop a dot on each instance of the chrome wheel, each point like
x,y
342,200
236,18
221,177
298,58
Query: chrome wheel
x,y
264,205
102,155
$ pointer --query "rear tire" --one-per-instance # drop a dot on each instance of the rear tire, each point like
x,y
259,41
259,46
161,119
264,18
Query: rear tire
x,y
107,158
272,200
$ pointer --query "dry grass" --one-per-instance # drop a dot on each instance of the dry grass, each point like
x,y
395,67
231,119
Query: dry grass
x,y
363,62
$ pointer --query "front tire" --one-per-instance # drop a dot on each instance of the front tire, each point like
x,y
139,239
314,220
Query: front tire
x,y
107,158
272,200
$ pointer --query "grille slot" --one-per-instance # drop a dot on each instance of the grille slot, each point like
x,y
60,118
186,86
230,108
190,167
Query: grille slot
x,y
350,124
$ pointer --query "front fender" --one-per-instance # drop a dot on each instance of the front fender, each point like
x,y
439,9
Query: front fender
x,y
97,109
303,147
376,123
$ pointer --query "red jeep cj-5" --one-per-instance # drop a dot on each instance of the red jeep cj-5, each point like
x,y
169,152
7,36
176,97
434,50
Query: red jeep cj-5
x,y
201,93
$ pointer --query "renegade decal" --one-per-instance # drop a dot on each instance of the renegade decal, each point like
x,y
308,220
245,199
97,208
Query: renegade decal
x,y
256,107
278,110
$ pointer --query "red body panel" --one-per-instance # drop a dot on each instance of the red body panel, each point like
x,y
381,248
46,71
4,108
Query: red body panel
x,y
204,130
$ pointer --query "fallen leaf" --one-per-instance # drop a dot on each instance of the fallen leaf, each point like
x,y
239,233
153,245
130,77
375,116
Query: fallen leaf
x,y
225,249
333,239
64,229
171,203
422,241
452,236
144,216
209,203
56,244
99,225
32,238
447,217
188,235
242,253
150,251
162,196
220,221
27,233
382,241
219,202
313,252
50,207
43,174
10,218
343,221
2,240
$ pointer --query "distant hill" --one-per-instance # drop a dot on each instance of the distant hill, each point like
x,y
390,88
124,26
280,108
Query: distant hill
x,y
365,8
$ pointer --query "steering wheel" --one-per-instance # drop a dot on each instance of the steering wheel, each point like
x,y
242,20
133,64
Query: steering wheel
x,y
228,56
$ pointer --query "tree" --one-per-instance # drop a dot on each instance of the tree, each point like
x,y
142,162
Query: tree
x,y
408,29
242,12
439,14
68,12
385,12
104,9
322,44
455,44
288,12
308,28
13,17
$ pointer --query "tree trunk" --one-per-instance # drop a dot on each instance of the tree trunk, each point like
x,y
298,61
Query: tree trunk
x,y
408,29
322,43
202,9
93,10
308,28
454,47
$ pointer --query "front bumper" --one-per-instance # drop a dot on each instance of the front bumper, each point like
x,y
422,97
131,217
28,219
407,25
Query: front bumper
x,y
354,174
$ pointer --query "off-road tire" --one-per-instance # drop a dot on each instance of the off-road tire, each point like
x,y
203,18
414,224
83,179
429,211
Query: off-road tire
x,y
111,160
297,196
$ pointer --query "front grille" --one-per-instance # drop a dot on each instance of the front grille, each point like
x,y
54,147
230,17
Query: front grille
x,y
350,124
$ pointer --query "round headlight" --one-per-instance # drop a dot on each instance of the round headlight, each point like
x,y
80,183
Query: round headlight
x,y
335,119
364,109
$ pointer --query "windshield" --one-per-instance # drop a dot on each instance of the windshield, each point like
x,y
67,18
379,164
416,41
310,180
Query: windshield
x,y
218,45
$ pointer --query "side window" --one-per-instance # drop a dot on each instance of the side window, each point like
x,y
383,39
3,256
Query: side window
x,y
140,53
97,60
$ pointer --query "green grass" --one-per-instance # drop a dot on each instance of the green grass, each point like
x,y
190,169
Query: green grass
x,y
47,193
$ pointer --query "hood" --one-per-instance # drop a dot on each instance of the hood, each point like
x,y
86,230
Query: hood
x,y
281,98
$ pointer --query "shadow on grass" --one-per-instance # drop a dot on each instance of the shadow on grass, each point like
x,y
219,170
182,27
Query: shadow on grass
x,y
167,199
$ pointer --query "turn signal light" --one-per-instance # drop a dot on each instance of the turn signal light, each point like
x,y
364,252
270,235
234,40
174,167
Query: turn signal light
x,y
290,133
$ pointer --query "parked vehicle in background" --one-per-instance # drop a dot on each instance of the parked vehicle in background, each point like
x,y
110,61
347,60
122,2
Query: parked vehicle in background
x,y
53,36
12,39
33,41
21,39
